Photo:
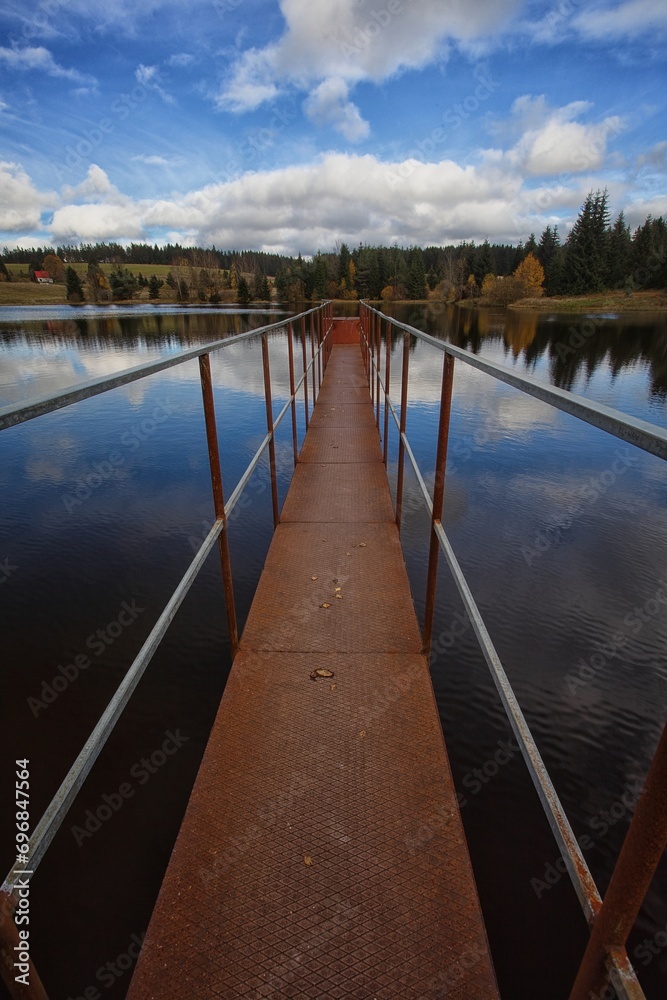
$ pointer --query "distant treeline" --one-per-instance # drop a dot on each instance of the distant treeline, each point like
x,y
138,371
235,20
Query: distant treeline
x,y
596,256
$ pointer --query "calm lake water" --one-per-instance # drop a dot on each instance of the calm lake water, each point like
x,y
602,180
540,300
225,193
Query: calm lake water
x,y
561,530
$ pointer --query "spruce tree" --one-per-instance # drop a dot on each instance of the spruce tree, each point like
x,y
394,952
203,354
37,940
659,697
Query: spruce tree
x,y
483,262
73,286
620,253
417,276
586,261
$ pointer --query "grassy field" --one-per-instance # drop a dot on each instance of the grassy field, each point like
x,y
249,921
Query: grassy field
x,y
15,293
605,302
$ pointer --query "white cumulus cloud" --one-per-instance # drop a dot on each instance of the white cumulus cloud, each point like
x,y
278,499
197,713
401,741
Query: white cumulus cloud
x,y
355,40
555,142
21,204
329,105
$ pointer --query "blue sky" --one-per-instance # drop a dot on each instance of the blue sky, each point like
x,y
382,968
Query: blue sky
x,y
289,125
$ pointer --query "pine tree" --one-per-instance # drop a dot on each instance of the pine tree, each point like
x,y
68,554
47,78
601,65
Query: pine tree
x,y
482,262
344,265
154,286
586,260
549,256
4,273
73,286
620,252
417,275
243,292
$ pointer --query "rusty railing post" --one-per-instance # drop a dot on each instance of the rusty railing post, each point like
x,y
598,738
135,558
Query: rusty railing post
x,y
377,372
312,357
387,375
218,498
292,391
438,497
305,366
270,429
10,953
403,424
641,852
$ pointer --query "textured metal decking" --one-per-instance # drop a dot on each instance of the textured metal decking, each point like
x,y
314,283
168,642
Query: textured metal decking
x,y
322,852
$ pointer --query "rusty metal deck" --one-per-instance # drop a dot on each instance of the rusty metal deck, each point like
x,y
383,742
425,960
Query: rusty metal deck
x,y
322,853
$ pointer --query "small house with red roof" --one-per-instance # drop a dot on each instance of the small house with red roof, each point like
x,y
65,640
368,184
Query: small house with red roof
x,y
43,278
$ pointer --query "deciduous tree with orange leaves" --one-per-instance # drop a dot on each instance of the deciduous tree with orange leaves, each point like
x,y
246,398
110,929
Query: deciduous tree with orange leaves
x,y
529,275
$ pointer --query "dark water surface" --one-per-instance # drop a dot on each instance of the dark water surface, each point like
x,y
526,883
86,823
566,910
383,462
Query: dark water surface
x,y
562,533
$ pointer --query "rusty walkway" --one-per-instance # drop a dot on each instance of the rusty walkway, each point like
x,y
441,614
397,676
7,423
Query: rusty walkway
x,y
322,852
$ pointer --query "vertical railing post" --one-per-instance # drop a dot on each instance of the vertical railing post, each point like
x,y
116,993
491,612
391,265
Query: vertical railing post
x,y
10,950
403,422
378,333
305,366
641,852
312,357
387,375
320,335
292,392
438,497
218,499
270,429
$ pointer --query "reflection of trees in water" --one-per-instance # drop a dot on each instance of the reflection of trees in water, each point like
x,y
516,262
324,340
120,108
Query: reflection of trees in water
x,y
576,346
157,329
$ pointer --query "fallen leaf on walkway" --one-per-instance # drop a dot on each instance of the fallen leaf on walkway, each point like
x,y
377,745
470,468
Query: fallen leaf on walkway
x,y
337,589
321,672
362,733
325,605
362,545
308,860
333,687
339,597
313,578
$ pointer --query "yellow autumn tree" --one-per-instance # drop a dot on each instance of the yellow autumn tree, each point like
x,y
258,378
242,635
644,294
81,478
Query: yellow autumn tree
x,y
529,275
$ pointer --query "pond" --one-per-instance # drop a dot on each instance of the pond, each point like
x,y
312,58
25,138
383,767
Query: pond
x,y
560,529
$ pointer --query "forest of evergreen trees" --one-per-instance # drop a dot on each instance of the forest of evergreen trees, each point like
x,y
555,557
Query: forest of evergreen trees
x,y
596,256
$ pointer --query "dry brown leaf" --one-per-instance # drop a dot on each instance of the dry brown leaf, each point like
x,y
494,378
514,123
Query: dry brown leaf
x,y
362,545
321,672
307,860
339,597
313,578
325,605
338,589
362,733
333,687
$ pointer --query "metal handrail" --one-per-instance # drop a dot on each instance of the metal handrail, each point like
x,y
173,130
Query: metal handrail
x,y
20,412
644,435
50,822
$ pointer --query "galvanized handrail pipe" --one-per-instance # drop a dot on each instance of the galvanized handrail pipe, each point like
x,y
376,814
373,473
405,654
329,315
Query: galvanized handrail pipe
x,y
616,962
640,433
56,811
18,413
